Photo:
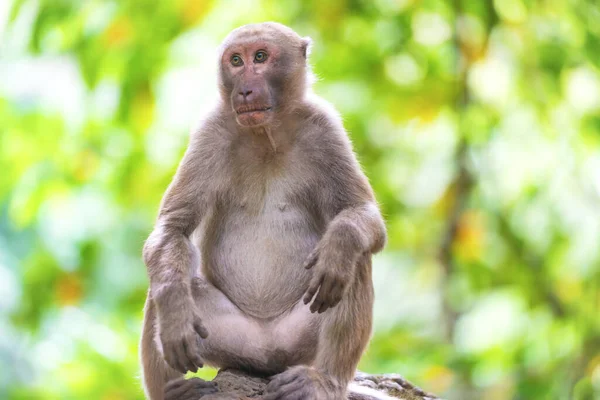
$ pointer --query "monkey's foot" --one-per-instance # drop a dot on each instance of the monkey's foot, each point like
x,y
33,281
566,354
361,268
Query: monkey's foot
x,y
189,389
303,383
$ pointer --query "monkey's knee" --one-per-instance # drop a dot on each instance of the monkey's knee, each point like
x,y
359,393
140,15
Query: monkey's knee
x,y
210,300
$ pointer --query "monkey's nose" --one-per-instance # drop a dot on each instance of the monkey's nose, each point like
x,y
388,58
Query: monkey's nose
x,y
245,93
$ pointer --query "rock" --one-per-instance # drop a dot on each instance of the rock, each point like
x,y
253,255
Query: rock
x,y
237,385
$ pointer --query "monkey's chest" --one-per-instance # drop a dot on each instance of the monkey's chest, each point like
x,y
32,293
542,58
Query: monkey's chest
x,y
258,255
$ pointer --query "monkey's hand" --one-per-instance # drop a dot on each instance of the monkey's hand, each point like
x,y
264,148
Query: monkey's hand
x,y
181,330
332,273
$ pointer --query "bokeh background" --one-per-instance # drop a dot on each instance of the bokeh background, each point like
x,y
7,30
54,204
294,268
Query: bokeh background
x,y
477,122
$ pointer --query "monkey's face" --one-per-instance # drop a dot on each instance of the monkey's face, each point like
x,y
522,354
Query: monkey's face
x,y
262,71
249,70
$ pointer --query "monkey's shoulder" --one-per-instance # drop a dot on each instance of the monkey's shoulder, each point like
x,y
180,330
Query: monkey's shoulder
x,y
322,129
211,129
322,135
211,139
317,113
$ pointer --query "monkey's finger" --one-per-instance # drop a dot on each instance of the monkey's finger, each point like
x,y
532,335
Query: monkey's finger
x,y
317,302
196,388
174,385
320,304
279,380
201,330
324,307
172,358
182,360
272,396
185,360
285,386
286,391
297,394
201,383
169,362
191,356
195,394
312,259
190,395
200,388
336,295
312,289
316,305
177,388
195,353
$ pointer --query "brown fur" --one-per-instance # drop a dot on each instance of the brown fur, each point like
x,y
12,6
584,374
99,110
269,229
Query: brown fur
x,y
266,212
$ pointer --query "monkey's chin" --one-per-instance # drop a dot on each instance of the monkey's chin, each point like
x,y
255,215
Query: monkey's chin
x,y
254,118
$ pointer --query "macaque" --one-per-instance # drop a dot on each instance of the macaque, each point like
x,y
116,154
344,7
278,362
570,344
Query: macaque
x,y
260,259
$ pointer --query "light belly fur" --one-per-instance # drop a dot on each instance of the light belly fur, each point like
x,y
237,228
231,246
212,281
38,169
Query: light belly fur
x,y
257,259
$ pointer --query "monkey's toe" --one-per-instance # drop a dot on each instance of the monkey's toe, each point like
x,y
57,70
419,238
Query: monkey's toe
x,y
301,383
189,389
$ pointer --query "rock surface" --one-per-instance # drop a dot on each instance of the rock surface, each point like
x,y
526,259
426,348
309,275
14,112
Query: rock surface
x,y
236,385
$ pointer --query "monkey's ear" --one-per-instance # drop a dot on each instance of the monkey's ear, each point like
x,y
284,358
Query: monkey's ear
x,y
306,45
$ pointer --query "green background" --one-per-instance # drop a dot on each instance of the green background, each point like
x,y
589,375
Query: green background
x,y
477,122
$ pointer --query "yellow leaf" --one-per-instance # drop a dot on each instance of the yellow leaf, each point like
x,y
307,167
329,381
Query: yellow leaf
x,y
69,290
470,236
192,10
118,33
439,378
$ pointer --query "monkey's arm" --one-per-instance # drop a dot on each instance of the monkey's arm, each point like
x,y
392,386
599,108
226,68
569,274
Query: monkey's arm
x,y
170,258
353,232
357,228
168,252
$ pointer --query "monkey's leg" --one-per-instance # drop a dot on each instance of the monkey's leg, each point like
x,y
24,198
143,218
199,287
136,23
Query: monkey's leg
x,y
344,334
235,339
155,371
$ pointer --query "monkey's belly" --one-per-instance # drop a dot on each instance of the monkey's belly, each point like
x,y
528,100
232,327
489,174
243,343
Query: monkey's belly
x,y
257,261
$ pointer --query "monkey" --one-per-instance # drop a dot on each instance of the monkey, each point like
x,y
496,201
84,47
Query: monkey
x,y
260,258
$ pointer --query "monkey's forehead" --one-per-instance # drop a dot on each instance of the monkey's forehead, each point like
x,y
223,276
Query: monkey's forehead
x,y
265,32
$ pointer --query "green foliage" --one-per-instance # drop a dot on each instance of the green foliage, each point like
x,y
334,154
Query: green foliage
x,y
477,122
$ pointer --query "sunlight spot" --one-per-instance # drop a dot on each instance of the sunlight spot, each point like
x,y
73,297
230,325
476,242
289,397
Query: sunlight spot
x,y
592,174
15,35
9,289
430,29
51,84
583,90
392,6
491,80
5,7
409,293
403,70
471,30
511,10
98,17
105,99
48,355
350,97
498,319
429,178
596,374
66,221
106,342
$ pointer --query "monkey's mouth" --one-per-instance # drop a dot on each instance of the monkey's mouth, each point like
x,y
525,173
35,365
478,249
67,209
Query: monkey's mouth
x,y
245,109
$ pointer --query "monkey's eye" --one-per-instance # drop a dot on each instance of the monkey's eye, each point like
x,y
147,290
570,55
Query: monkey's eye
x,y
236,60
260,56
